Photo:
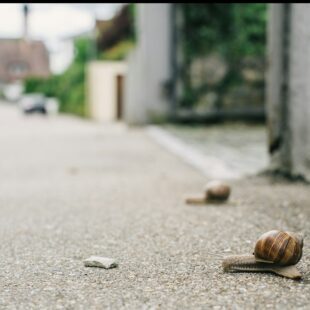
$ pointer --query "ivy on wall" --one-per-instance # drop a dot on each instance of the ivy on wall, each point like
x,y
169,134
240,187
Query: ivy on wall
x,y
233,31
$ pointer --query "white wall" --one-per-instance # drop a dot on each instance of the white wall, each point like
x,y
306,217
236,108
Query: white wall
x,y
299,90
101,82
149,65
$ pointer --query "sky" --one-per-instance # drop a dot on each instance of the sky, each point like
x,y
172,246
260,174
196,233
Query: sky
x,y
52,22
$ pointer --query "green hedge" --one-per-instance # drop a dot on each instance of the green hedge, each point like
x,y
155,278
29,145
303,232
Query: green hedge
x,y
47,86
234,31
118,51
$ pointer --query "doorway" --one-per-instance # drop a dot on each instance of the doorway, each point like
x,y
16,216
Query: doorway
x,y
119,96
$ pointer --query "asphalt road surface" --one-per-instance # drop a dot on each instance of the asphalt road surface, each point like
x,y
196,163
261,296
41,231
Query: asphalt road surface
x,y
71,188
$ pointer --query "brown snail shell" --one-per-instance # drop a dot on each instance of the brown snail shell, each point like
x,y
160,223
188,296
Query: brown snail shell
x,y
279,247
275,251
217,190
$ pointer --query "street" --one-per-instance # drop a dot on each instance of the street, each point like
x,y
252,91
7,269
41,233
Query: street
x,y
71,188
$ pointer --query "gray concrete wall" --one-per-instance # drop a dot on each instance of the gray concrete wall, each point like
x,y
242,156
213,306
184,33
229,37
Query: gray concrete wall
x,y
275,86
149,66
288,93
299,89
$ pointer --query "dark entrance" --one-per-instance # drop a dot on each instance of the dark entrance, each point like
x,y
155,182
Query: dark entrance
x,y
119,96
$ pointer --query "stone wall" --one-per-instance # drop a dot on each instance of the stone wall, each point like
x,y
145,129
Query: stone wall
x,y
208,77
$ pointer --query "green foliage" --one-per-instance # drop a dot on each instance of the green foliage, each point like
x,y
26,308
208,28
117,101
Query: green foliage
x,y
231,29
71,89
132,12
118,51
234,31
68,87
82,50
249,29
46,86
33,84
206,27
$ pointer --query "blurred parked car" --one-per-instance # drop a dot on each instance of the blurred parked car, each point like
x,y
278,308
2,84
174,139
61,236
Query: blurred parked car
x,y
38,103
33,103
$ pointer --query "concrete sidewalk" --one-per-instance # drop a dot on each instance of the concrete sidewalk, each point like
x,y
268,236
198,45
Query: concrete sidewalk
x,y
72,188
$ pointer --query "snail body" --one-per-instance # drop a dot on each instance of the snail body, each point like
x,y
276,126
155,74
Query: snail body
x,y
215,191
275,251
249,263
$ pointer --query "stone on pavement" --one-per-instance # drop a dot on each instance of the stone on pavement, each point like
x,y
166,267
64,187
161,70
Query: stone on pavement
x,y
101,262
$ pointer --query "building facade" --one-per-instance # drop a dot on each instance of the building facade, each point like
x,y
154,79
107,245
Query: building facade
x,y
21,58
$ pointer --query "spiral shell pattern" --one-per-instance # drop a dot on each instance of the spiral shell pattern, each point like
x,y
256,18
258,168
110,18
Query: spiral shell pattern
x,y
279,247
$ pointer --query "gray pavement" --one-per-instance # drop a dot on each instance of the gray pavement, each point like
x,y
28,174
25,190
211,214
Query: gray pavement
x,y
241,147
71,188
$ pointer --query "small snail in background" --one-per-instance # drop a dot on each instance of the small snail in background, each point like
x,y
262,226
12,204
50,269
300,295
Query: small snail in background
x,y
215,191
275,251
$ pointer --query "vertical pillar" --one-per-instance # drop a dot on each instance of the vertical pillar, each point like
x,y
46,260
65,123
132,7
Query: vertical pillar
x,y
288,91
149,72
25,26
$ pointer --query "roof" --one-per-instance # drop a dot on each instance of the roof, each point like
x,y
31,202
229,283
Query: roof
x,y
20,59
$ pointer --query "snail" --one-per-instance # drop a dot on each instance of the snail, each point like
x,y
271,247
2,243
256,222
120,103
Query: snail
x,y
275,251
215,191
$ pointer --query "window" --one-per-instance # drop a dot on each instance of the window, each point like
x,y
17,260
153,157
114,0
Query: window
x,y
18,68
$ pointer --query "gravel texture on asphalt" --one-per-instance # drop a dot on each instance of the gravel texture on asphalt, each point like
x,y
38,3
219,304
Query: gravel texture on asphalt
x,y
72,188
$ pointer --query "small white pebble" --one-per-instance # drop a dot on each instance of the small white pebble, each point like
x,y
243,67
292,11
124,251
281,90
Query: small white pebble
x,y
101,262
